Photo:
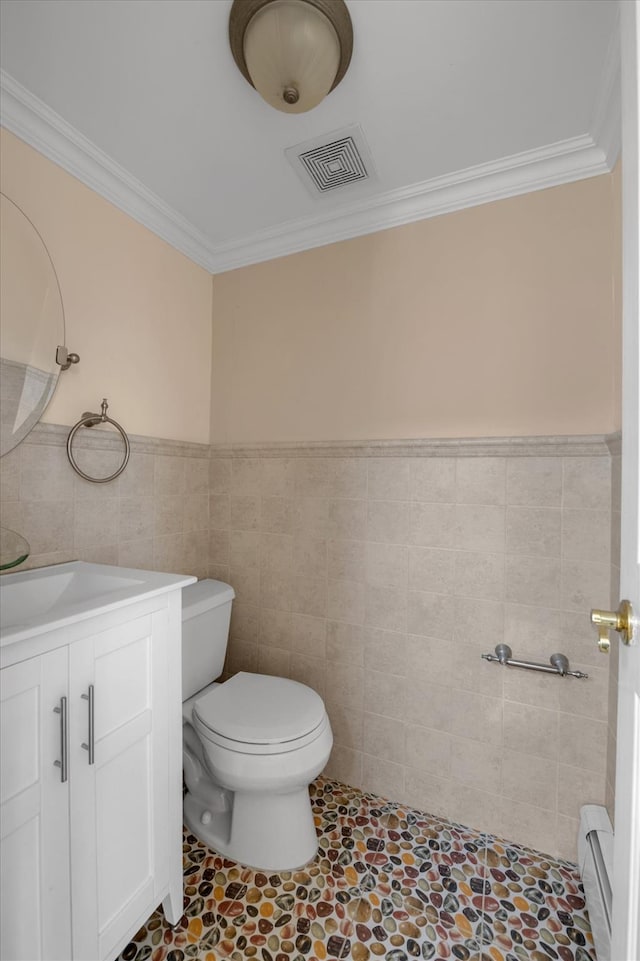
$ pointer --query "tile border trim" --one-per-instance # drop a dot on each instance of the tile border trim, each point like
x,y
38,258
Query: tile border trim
x,y
55,435
580,445
586,445
614,443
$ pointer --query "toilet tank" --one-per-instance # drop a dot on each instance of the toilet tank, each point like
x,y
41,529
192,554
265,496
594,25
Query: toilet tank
x,y
206,613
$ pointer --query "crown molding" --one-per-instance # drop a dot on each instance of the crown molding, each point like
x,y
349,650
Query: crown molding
x,y
33,121
42,128
550,166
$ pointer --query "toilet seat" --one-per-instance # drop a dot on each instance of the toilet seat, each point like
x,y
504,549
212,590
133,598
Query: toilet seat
x,y
260,714
243,747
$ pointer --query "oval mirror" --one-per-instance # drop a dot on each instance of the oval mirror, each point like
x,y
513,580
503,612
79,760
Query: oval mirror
x,y
31,325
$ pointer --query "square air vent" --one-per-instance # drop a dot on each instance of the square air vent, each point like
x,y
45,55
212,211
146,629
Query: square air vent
x,y
337,160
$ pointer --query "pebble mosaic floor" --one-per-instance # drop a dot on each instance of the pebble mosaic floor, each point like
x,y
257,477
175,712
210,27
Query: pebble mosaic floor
x,y
388,882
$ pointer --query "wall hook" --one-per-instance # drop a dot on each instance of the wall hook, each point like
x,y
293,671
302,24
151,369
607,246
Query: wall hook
x,y
65,359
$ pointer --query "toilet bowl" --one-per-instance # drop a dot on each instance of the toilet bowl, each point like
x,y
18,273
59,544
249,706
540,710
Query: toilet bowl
x,y
251,746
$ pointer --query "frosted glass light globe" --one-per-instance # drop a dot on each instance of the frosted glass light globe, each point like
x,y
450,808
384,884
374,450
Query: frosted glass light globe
x,y
292,52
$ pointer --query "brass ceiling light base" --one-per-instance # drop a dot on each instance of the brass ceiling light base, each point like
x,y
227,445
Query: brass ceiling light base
x,y
290,95
291,86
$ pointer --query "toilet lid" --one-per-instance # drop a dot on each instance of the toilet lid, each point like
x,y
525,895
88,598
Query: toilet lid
x,y
259,709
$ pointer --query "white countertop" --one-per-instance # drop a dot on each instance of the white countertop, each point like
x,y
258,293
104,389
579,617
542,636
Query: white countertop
x,y
47,598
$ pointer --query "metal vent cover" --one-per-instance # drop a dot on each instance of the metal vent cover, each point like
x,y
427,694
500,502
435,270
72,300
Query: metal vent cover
x,y
336,160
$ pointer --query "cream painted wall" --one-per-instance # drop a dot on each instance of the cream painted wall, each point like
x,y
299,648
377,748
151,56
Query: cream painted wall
x,y
497,320
29,293
137,311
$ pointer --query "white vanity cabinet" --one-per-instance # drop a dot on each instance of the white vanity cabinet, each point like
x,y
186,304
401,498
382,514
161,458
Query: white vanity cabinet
x,y
91,785
35,921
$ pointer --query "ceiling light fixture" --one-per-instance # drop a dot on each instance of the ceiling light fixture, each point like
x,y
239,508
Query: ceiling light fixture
x,y
294,52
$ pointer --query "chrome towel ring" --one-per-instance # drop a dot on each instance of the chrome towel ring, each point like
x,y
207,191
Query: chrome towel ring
x,y
89,419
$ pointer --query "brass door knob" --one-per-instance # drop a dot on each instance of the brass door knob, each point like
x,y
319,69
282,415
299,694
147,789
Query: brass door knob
x,y
620,621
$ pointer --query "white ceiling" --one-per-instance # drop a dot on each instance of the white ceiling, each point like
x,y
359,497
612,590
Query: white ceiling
x,y
460,101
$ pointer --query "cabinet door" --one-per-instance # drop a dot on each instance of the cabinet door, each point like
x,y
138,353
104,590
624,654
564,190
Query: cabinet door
x,y
117,843
35,907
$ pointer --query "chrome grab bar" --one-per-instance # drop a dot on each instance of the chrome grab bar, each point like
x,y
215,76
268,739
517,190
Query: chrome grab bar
x,y
558,663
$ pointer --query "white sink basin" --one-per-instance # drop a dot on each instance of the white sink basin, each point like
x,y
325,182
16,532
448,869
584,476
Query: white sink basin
x,y
32,602
52,590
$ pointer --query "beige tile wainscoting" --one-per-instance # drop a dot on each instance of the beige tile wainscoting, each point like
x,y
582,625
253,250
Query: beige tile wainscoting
x,y
155,516
378,573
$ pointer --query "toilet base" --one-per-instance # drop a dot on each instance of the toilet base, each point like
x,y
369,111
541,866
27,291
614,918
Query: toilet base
x,y
267,832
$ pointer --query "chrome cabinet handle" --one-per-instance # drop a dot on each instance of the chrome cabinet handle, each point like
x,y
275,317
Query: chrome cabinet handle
x,y
62,763
90,747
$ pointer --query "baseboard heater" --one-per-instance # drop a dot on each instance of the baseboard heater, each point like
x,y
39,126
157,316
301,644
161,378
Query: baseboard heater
x,y
595,860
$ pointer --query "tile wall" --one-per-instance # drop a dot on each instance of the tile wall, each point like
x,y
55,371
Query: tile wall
x,y
154,516
379,579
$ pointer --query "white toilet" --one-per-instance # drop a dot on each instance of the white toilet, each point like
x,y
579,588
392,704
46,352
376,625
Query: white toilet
x,y
251,746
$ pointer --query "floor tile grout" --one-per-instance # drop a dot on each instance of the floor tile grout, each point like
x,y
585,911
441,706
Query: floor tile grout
x,y
388,882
